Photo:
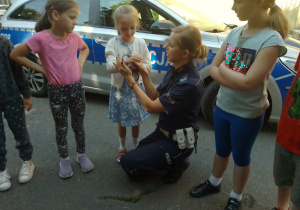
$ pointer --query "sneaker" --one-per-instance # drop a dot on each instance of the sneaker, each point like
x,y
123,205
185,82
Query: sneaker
x,y
65,169
172,176
26,171
4,181
85,164
233,204
204,189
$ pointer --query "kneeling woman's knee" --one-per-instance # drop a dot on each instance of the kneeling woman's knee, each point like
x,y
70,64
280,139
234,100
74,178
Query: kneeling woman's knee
x,y
128,164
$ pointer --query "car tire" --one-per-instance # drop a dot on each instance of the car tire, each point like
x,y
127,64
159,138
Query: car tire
x,y
38,84
208,101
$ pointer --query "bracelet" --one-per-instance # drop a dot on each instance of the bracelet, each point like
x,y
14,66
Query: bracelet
x,y
132,84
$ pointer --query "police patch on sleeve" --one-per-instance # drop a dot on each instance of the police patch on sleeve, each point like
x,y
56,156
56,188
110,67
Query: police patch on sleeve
x,y
170,98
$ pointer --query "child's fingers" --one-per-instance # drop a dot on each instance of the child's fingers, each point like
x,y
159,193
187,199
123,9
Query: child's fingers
x,y
29,107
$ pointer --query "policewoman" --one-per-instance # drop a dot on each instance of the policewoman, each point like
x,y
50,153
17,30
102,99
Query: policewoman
x,y
177,99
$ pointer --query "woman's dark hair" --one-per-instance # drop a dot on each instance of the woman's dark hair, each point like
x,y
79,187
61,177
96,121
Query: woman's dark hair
x,y
44,22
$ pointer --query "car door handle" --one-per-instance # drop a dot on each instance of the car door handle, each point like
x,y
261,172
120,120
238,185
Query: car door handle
x,y
101,41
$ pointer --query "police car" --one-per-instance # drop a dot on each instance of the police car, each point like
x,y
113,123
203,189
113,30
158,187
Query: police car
x,y
157,17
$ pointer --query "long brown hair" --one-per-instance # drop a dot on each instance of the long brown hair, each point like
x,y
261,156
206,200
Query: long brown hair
x,y
277,19
44,22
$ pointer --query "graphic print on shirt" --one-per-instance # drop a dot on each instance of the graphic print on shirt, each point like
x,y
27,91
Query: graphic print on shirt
x,y
294,110
239,59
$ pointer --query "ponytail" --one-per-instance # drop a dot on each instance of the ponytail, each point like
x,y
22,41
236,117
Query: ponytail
x,y
42,23
202,53
278,21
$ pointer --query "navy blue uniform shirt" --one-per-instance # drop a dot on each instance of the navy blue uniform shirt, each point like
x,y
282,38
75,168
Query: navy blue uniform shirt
x,y
180,94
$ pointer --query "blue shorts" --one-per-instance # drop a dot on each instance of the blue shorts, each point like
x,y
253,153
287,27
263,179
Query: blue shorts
x,y
236,134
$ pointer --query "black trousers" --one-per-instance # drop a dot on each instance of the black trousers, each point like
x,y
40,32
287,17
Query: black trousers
x,y
15,115
155,152
61,99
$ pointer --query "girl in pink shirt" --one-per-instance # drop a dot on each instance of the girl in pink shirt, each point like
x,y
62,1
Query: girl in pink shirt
x,y
57,46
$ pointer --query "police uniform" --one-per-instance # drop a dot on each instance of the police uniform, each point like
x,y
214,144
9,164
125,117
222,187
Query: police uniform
x,y
180,94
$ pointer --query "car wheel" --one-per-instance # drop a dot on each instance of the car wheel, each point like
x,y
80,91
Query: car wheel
x,y
38,84
208,101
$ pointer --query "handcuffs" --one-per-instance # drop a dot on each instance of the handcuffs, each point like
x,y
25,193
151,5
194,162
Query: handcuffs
x,y
135,72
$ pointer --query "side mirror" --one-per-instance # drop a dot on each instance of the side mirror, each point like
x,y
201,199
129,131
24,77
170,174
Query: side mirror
x,y
162,27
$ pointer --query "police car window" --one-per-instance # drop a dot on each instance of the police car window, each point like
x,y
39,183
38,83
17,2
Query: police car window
x,y
147,15
85,16
29,11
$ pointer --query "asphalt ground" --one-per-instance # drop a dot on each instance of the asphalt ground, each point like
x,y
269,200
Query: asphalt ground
x,y
107,186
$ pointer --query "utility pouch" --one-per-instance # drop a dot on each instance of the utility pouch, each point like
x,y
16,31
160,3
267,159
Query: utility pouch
x,y
185,138
181,139
190,136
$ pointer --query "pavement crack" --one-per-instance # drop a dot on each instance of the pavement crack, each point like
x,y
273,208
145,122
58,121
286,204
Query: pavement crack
x,y
133,199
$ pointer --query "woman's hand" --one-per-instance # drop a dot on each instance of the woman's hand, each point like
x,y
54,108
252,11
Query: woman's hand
x,y
133,58
140,67
124,70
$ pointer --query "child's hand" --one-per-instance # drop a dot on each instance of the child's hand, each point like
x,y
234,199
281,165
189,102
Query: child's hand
x,y
123,68
27,103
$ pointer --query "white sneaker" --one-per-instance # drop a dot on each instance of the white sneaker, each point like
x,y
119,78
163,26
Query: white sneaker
x,y
26,171
4,181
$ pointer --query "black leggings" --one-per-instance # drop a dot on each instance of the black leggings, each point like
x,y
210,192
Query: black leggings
x,y
61,98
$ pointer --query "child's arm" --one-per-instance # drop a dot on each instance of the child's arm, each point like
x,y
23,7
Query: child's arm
x,y
110,60
84,53
18,55
22,83
261,67
215,67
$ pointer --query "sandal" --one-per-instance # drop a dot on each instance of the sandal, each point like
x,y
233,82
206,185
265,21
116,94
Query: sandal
x,y
121,152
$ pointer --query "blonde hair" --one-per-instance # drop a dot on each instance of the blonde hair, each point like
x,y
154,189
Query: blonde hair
x,y
124,10
190,39
44,22
277,19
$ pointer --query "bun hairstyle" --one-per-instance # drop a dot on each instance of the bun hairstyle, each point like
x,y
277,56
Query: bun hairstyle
x,y
277,19
190,39
124,10
44,22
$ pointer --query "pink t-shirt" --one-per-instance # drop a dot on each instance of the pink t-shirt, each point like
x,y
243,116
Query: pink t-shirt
x,y
58,56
